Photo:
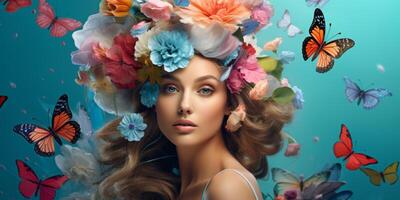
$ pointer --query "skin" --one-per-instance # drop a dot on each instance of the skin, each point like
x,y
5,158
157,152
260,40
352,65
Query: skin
x,y
202,152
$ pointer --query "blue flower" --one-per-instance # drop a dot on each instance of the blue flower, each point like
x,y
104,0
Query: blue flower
x,y
298,101
132,127
170,49
149,94
286,57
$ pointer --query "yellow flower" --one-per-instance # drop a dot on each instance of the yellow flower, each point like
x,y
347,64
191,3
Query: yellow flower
x,y
228,13
149,71
117,8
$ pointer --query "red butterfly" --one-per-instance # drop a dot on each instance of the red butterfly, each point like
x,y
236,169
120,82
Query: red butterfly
x,y
315,45
344,148
3,99
58,26
30,184
14,5
62,127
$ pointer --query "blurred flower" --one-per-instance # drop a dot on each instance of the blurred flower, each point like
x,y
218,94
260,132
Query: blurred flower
x,y
292,149
279,197
132,127
285,82
157,9
235,81
228,13
140,28
235,119
120,64
250,3
273,45
286,57
262,14
85,55
141,47
260,90
78,165
298,101
170,49
291,195
117,8
149,94
252,40
149,71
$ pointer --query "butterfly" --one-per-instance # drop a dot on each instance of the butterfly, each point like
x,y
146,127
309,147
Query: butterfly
x,y
316,3
3,99
286,23
326,191
58,26
62,127
316,46
344,148
389,175
286,180
31,185
369,98
14,5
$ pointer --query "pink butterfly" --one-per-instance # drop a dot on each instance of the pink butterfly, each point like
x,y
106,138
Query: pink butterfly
x,y
14,5
58,26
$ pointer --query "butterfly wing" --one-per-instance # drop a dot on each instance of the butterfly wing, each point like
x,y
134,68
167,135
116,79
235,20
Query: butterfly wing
x,y
344,146
14,5
371,97
390,173
374,176
357,160
317,179
45,16
293,30
285,181
335,171
50,185
35,134
62,26
29,180
285,21
331,50
352,90
61,121
312,44
343,195
3,99
322,189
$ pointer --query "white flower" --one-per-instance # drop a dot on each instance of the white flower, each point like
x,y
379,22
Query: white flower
x,y
78,165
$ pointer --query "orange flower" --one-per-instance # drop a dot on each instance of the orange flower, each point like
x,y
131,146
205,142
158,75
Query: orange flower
x,y
117,8
235,119
229,13
260,90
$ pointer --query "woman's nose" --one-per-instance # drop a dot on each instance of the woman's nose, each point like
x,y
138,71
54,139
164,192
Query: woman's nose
x,y
185,107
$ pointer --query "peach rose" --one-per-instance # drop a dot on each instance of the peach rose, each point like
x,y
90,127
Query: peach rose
x,y
117,8
157,10
273,45
259,90
235,119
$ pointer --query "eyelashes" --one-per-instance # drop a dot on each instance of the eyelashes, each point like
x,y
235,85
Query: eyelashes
x,y
170,89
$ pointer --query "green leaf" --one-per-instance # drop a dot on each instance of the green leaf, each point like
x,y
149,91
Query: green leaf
x,y
277,73
239,35
268,63
283,95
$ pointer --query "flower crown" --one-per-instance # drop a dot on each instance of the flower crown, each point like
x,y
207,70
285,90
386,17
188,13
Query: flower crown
x,y
133,42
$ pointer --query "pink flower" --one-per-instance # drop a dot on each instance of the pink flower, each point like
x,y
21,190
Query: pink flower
x,y
235,81
250,69
273,45
260,90
119,61
262,14
292,149
157,9
228,13
235,119
285,82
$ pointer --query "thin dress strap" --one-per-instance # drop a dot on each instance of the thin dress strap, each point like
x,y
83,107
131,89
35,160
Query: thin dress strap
x,y
204,193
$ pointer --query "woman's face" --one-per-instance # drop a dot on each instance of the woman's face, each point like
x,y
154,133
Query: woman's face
x,y
193,93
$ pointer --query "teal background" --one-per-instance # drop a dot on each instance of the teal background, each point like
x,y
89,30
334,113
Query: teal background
x,y
26,61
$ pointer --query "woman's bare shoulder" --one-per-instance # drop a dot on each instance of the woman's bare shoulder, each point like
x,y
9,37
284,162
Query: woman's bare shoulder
x,y
230,184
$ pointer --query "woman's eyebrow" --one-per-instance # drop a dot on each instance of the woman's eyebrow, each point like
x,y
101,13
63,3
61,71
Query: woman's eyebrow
x,y
201,78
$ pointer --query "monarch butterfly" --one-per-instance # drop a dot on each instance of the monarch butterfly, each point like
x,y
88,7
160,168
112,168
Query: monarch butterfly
x,y
62,126
31,185
316,46
344,148
389,175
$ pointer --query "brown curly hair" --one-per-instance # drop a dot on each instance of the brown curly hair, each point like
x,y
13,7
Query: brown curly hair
x,y
145,169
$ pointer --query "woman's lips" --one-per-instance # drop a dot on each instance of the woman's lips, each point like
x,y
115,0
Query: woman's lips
x,y
185,129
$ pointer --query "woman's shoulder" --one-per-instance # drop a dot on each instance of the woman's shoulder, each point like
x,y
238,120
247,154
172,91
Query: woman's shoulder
x,y
233,184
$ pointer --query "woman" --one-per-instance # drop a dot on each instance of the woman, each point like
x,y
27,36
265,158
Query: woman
x,y
197,121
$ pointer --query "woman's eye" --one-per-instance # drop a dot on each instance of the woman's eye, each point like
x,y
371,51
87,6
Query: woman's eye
x,y
169,89
206,91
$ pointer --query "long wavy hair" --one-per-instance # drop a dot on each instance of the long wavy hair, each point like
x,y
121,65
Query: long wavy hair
x,y
147,169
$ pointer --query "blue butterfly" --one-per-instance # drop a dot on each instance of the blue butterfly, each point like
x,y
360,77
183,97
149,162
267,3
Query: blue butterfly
x,y
370,98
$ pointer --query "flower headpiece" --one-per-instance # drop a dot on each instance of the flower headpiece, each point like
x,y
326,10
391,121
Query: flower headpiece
x,y
131,43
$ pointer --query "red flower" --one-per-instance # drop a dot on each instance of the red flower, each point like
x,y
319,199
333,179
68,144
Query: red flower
x,y
119,61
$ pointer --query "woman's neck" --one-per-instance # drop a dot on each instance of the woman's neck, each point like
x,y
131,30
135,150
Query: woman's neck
x,y
199,163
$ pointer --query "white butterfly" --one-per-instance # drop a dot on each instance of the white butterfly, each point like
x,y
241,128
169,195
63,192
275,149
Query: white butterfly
x,y
316,3
286,23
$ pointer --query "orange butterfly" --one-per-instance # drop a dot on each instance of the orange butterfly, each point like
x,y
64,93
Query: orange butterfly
x,y
315,45
62,127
